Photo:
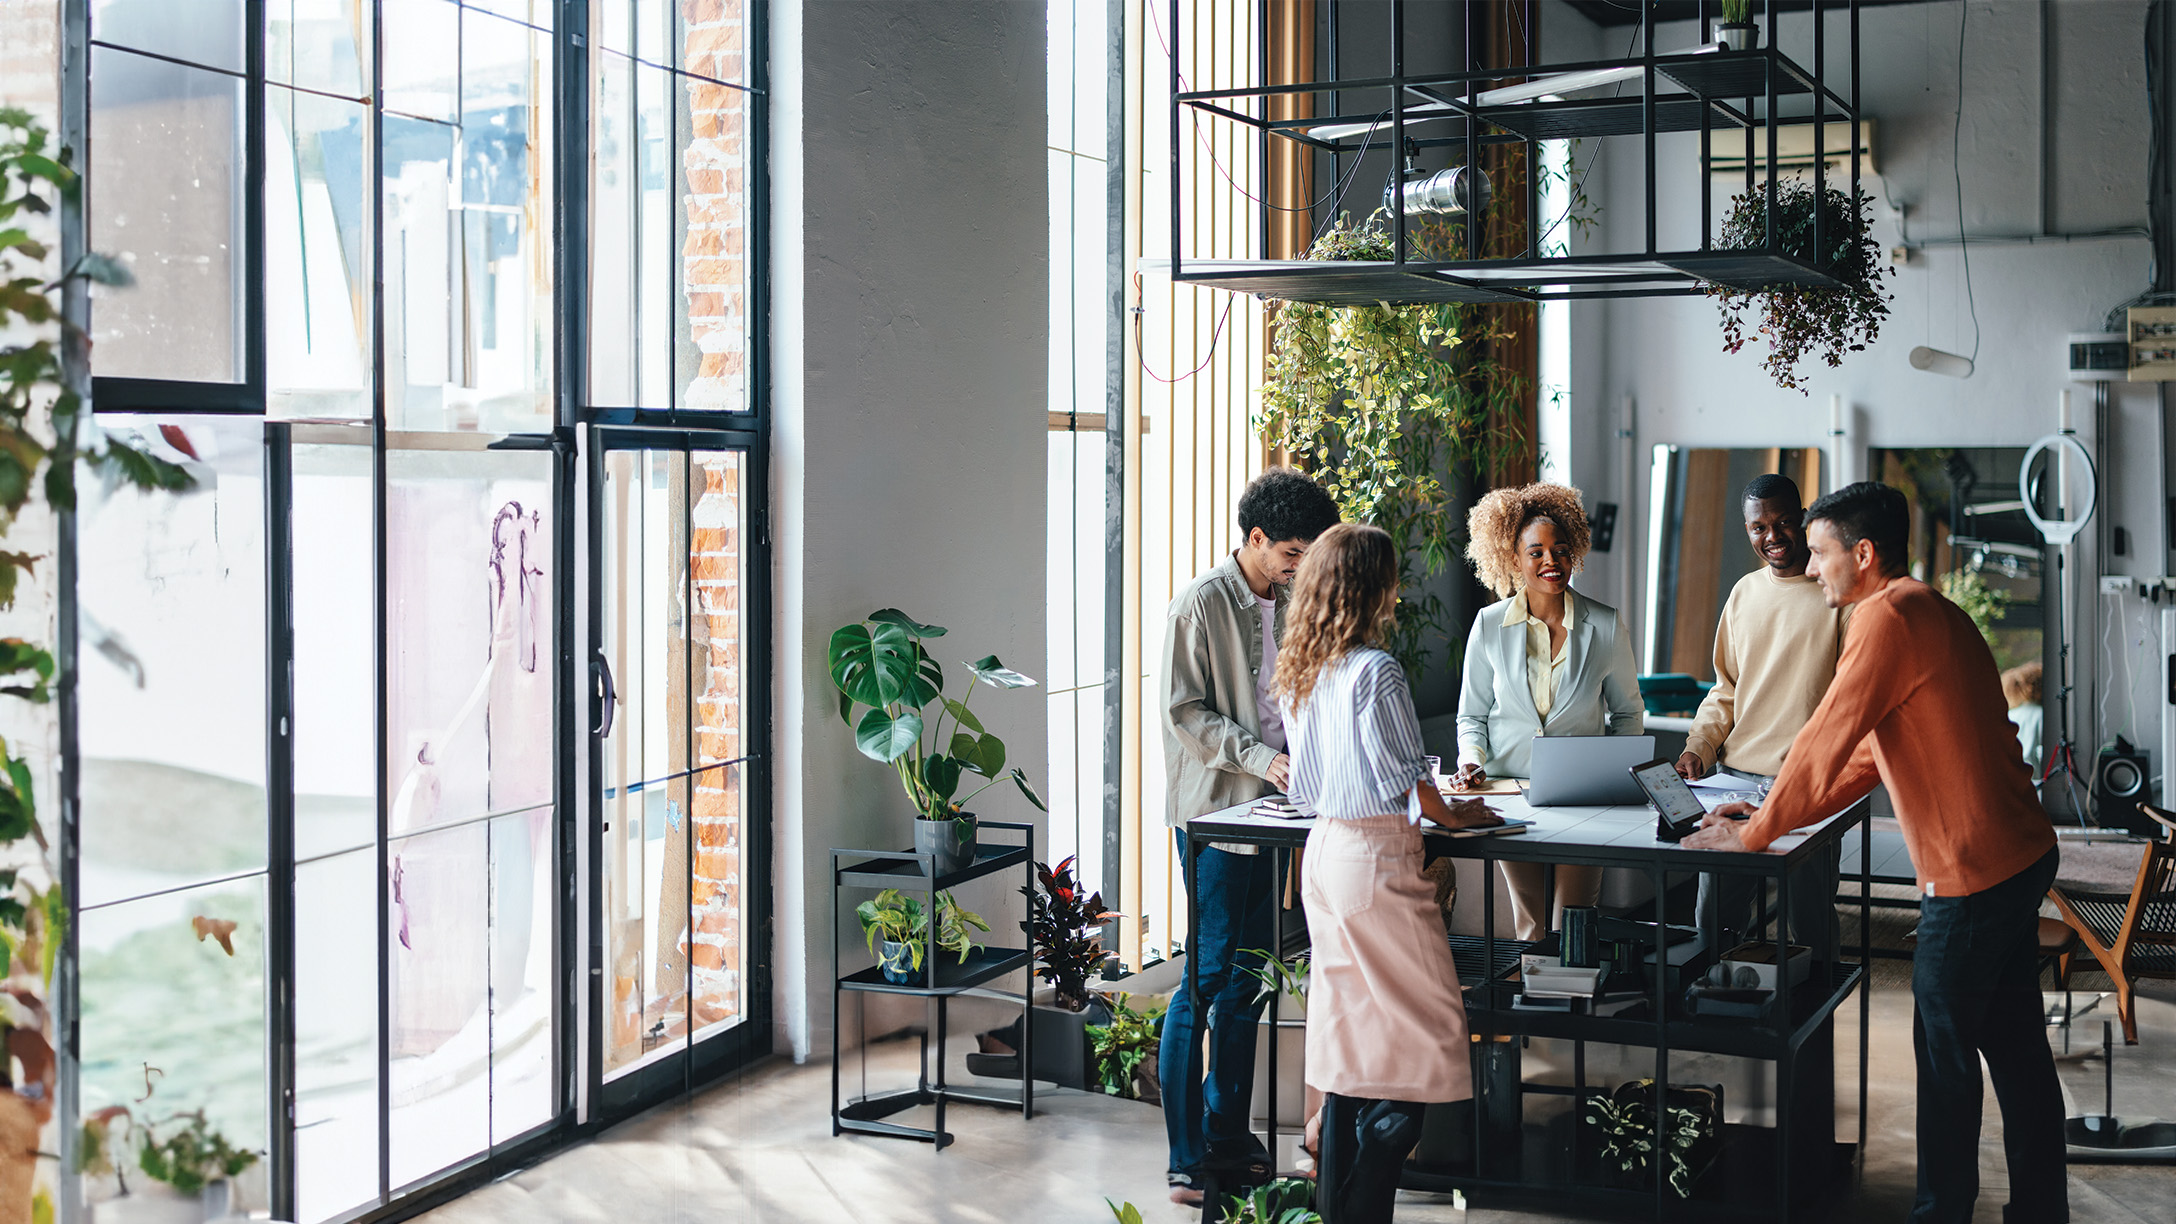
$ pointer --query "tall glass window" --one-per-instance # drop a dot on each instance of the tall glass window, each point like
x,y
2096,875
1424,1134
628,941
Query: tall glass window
x,y
1079,548
329,708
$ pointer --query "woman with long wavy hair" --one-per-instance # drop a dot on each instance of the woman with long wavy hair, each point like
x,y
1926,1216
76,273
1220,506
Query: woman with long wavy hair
x,y
1386,1027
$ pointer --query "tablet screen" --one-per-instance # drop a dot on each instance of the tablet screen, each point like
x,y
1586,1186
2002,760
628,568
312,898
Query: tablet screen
x,y
1679,808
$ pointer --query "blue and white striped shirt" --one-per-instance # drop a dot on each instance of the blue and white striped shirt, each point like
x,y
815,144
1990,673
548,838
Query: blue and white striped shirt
x,y
1355,745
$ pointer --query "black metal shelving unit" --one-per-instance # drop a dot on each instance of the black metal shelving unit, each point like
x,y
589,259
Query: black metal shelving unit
x,y
944,978
1721,93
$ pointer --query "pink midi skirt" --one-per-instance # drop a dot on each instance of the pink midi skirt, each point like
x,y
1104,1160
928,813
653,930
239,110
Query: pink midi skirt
x,y
1384,1015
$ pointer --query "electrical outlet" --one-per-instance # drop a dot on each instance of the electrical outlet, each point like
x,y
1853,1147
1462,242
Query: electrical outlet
x,y
2116,584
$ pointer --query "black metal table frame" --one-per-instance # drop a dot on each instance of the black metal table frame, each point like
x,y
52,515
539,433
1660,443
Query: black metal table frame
x,y
1659,861
911,871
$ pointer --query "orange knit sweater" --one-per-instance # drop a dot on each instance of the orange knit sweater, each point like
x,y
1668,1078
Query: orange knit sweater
x,y
1916,703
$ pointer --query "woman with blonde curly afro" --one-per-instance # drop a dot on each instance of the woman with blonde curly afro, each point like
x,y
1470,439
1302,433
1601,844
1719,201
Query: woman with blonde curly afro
x,y
1545,660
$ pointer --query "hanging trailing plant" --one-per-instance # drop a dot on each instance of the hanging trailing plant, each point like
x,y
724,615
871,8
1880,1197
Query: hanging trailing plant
x,y
1381,403
1801,321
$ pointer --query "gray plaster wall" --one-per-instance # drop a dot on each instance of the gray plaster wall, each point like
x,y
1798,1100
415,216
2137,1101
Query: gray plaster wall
x,y
2079,112
911,337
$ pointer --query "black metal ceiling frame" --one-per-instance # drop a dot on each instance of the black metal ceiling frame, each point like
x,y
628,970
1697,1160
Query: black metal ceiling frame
x,y
1706,83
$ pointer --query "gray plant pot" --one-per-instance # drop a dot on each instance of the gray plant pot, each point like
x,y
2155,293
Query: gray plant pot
x,y
896,961
1737,35
951,843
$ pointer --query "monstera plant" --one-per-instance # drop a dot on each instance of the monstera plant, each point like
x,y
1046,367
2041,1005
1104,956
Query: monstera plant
x,y
892,693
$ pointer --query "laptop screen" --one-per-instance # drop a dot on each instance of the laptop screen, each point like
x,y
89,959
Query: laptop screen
x,y
1678,809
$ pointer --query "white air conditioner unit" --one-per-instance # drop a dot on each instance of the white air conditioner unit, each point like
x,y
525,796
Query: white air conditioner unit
x,y
1794,151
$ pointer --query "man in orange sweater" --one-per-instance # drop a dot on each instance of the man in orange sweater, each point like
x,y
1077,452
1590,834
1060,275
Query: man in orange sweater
x,y
1917,705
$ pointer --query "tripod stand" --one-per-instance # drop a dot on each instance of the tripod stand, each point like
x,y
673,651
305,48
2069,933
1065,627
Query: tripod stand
x,y
2064,760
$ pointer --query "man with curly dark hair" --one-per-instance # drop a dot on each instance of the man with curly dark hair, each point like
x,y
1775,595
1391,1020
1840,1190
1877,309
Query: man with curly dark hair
x,y
1224,744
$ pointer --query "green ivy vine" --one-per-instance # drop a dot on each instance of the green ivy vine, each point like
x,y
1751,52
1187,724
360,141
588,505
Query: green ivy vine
x,y
1383,403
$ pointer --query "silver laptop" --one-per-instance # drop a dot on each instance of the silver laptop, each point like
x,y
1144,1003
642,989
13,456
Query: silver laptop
x,y
1588,770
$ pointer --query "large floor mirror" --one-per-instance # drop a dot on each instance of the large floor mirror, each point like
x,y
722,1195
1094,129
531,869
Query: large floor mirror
x,y
1696,535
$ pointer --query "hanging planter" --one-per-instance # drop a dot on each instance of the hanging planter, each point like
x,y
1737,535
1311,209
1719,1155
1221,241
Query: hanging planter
x,y
1801,322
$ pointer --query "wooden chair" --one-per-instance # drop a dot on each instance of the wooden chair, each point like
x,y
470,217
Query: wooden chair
x,y
2133,936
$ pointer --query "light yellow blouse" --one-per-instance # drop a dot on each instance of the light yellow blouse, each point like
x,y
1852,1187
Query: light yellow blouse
x,y
1544,672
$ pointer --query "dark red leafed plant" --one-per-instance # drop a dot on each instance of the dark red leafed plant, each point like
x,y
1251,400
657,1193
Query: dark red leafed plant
x,y
1064,924
1800,321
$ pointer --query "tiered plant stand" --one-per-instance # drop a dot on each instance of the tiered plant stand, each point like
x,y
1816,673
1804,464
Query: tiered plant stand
x,y
943,978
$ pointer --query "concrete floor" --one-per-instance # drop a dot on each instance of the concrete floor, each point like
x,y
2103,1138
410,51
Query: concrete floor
x,y
759,1149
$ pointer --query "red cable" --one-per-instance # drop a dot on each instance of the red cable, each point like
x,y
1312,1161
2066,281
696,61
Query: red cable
x,y
1141,353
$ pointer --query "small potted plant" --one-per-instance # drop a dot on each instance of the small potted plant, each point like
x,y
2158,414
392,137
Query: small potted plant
x,y
1125,1049
897,928
880,666
1735,29
193,1163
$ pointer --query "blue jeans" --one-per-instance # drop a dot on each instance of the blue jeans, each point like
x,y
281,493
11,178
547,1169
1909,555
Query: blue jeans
x,y
1233,894
1976,992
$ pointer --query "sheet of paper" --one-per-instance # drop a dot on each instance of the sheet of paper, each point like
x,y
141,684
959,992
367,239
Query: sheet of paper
x,y
1722,782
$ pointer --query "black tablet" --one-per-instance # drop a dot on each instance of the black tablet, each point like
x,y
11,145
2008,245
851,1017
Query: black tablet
x,y
1678,811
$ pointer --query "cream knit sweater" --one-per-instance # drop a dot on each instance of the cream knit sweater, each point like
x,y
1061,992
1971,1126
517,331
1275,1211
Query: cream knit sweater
x,y
1775,652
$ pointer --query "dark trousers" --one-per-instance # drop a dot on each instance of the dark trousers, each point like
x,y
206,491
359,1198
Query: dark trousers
x,y
1206,1119
1734,901
1976,987
1364,1146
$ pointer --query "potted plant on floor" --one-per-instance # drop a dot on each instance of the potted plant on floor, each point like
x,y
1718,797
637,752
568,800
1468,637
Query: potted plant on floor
x,y
1064,928
1735,29
1287,979
1125,1050
897,930
880,667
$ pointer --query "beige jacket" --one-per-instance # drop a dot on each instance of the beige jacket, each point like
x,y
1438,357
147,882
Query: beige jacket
x,y
1213,753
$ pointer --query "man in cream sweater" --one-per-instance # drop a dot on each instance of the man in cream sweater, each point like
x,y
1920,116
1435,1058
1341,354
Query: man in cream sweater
x,y
1775,652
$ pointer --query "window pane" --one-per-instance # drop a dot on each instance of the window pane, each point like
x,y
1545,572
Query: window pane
x,y
614,195
612,26
336,1034
712,332
335,663
720,574
207,32
439,954
647,797
502,355
317,257
535,12
419,281
524,1037
170,608
169,1009
468,627
422,59
656,277
318,44
653,30
166,199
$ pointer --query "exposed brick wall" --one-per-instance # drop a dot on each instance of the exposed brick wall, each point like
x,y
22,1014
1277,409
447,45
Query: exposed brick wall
x,y
715,950
714,257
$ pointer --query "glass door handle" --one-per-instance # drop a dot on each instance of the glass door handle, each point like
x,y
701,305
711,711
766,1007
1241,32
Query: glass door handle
x,y
608,696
